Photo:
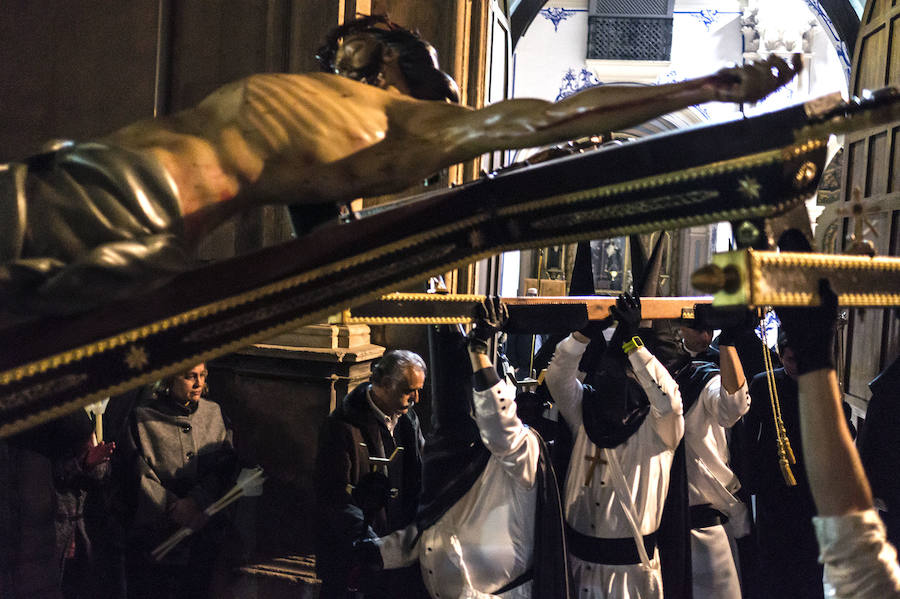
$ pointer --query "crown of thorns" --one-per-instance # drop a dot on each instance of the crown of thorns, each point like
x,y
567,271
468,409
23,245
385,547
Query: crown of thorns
x,y
378,25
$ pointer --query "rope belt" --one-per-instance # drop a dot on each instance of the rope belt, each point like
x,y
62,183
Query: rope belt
x,y
613,552
516,582
67,518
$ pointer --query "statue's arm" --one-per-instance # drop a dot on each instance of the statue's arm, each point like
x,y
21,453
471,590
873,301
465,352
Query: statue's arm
x,y
320,138
529,122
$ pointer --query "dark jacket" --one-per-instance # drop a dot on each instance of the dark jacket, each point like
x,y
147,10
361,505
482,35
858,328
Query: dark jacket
x,y
787,541
519,350
879,445
348,437
28,564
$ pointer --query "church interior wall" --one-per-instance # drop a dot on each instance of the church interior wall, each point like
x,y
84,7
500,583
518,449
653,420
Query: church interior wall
x,y
550,62
75,72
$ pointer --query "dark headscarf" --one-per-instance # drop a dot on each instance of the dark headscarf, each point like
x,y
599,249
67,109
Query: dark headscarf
x,y
613,408
614,404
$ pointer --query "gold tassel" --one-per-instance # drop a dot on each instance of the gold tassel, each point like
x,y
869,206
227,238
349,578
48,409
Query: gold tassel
x,y
782,433
786,473
785,464
785,452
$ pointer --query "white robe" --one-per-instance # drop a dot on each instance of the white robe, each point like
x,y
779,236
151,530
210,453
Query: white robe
x,y
486,539
859,562
645,459
711,481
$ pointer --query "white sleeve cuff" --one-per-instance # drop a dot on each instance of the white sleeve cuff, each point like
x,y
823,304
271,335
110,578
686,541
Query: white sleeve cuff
x,y
397,549
640,357
571,345
859,562
732,405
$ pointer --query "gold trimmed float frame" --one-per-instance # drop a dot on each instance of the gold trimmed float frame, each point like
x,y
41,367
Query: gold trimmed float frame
x,y
767,278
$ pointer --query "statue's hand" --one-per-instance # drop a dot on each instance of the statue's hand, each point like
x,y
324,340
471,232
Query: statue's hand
x,y
755,80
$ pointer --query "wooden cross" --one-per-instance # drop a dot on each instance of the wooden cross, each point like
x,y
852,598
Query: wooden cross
x,y
858,212
594,460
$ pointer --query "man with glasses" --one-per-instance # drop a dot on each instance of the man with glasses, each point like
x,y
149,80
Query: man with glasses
x,y
369,477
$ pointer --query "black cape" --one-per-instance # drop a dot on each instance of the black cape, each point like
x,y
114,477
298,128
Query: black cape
x,y
675,526
455,457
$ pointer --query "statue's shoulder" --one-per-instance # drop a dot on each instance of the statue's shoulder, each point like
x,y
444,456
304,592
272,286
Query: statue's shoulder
x,y
319,82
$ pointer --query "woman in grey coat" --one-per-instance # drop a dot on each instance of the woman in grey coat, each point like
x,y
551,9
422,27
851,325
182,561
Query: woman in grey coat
x,y
183,460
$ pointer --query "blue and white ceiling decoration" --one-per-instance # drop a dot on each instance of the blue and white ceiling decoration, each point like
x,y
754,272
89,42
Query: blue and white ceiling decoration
x,y
556,15
841,46
575,82
840,18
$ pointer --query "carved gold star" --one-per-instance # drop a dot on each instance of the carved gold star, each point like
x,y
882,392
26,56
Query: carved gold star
x,y
749,187
136,358
476,240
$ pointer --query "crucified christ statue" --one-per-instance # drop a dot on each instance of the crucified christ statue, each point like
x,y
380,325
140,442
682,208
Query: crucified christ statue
x,y
98,219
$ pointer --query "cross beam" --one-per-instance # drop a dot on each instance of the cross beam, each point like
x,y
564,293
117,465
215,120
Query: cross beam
x,y
543,314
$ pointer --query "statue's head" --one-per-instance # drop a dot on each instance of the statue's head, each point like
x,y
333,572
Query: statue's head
x,y
374,50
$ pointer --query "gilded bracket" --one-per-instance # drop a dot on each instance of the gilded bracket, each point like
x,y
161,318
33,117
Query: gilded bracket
x,y
762,278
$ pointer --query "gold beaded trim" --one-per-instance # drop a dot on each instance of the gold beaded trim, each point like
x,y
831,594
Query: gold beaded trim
x,y
764,268
690,174
136,334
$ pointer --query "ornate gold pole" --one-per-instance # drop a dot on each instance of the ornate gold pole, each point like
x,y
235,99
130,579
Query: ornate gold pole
x,y
761,278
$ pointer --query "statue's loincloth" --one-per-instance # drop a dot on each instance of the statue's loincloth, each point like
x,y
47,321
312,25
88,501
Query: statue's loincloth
x,y
85,223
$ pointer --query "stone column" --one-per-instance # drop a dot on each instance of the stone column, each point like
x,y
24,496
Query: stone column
x,y
277,395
